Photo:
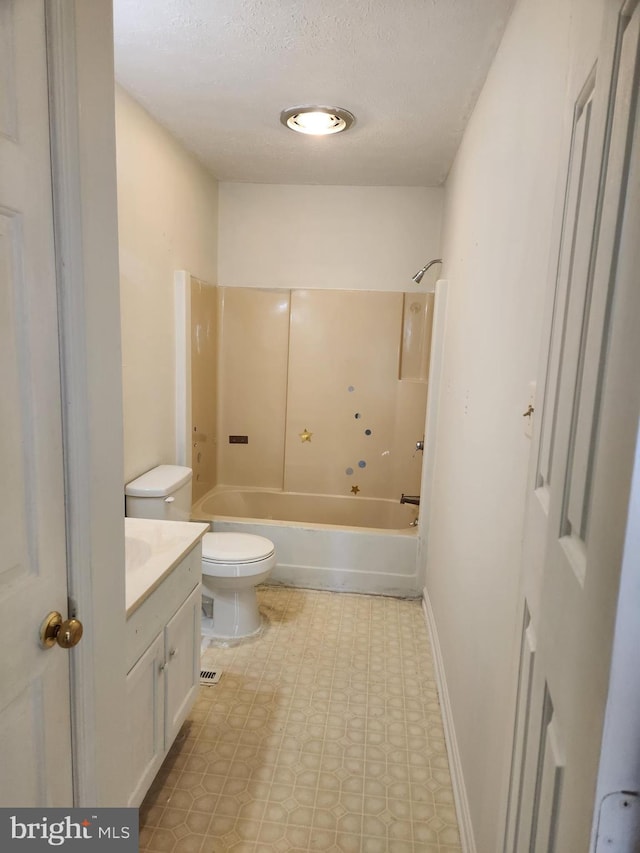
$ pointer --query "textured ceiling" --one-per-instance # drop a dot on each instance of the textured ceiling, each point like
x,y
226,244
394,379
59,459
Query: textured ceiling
x,y
217,74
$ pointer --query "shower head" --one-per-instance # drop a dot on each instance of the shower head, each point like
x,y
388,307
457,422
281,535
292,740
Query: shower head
x,y
418,276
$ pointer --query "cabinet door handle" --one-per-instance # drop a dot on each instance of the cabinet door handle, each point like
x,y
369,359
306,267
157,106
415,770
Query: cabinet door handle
x,y
161,667
173,653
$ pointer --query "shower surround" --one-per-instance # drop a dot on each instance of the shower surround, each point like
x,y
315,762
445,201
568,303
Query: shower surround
x,y
320,391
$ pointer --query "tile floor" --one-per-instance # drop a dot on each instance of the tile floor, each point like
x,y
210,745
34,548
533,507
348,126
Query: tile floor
x,y
324,734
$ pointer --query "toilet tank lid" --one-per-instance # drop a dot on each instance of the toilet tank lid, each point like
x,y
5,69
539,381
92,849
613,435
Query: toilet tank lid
x,y
159,482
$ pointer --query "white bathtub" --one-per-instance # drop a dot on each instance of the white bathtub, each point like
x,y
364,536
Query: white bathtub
x,y
333,542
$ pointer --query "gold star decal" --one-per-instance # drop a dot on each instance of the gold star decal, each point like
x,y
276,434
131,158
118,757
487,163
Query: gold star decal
x,y
306,435
355,490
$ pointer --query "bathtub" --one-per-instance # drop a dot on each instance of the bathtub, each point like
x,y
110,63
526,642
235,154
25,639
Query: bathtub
x,y
334,542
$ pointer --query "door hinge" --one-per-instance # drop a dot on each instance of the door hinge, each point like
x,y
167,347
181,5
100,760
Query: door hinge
x,y
619,823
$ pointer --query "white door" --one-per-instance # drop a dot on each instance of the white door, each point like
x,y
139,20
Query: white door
x,y
35,737
582,460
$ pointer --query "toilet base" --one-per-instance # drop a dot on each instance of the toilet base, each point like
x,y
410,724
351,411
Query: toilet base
x,y
235,614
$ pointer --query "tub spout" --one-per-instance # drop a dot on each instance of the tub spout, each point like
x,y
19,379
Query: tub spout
x,y
410,499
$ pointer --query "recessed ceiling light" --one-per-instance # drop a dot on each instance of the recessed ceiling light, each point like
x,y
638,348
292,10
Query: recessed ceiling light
x,y
317,121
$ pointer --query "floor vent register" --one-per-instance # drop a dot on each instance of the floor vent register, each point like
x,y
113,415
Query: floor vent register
x,y
210,676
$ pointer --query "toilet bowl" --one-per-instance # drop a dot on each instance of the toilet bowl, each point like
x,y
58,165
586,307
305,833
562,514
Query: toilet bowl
x,y
233,564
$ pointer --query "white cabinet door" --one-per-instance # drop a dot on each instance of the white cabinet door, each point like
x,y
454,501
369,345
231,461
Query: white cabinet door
x,y
182,636
35,730
145,719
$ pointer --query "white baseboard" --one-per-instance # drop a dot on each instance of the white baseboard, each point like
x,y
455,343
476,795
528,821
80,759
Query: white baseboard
x,y
457,779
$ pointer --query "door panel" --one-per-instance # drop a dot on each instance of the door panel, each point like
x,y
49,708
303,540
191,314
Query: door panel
x,y
34,684
578,213
520,807
549,772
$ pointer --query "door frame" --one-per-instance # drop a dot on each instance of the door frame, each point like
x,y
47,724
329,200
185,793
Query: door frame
x,y
82,123
182,296
436,366
619,769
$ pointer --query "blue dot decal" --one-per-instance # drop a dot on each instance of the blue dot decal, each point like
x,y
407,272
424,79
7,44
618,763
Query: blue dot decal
x,y
349,472
350,389
362,464
367,432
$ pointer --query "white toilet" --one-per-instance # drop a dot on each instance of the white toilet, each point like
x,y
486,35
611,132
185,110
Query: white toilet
x,y
233,564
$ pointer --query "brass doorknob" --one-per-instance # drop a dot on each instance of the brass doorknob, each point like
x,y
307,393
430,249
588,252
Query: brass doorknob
x,y
65,633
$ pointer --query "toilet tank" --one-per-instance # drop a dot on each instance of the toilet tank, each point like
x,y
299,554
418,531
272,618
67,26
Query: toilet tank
x,y
163,492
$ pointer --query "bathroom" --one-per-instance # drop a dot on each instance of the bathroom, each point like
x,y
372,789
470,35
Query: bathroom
x,y
291,239
338,352
304,311
494,216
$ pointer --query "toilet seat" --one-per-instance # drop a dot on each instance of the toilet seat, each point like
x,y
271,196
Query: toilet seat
x,y
236,555
235,548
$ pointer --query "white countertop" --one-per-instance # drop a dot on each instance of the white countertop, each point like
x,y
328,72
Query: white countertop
x,y
153,549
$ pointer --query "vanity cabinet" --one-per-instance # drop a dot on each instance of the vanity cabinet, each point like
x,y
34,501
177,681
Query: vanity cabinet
x,y
163,648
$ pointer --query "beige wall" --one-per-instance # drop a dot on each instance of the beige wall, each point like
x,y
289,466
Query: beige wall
x,y
327,362
254,344
167,211
496,245
349,238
